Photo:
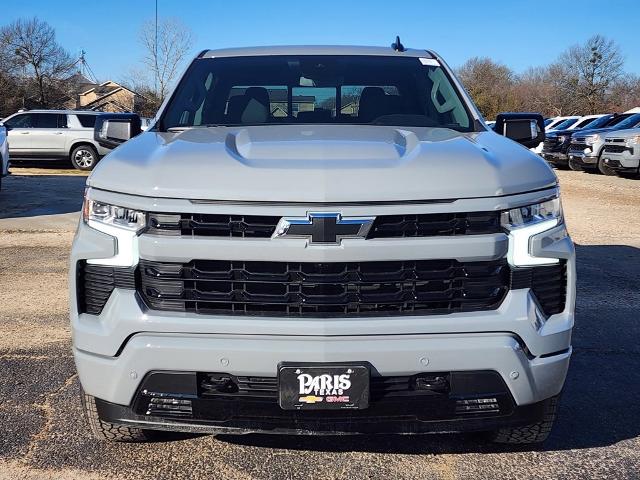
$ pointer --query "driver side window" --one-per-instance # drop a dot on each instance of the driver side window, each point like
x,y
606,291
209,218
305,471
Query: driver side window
x,y
20,121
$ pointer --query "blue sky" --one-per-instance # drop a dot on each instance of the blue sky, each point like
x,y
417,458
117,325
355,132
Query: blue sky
x,y
517,33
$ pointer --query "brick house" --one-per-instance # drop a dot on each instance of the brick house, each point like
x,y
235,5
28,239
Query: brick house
x,y
108,96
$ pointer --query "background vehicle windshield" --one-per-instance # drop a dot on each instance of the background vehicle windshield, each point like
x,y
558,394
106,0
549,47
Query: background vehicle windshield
x,y
598,123
565,124
630,122
269,90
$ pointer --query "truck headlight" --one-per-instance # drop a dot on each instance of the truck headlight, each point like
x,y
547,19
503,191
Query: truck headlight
x,y
633,141
123,224
113,215
591,139
523,223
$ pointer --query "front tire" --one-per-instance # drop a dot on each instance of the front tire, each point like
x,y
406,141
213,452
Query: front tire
x,y
108,431
532,433
604,169
573,165
84,157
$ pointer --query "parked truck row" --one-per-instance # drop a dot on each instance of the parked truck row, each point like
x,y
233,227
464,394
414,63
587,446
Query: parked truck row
x,y
606,143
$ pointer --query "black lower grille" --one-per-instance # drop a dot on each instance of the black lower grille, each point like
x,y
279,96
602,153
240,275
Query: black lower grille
x,y
550,143
578,147
398,401
225,385
616,149
95,283
547,282
324,289
549,285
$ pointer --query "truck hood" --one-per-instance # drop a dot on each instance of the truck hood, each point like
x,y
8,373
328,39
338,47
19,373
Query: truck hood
x,y
629,133
321,163
584,133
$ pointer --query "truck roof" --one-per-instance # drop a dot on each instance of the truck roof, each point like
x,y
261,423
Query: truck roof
x,y
70,112
314,50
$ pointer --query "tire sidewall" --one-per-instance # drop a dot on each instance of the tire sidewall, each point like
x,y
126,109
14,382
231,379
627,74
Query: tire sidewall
x,y
89,149
604,169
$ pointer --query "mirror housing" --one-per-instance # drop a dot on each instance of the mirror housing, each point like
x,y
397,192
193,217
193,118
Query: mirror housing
x,y
524,128
113,129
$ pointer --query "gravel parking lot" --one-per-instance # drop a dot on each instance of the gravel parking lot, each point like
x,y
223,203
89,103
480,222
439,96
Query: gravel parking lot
x,y
43,435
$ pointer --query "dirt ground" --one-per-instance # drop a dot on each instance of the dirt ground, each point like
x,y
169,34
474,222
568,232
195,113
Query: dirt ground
x,y
43,435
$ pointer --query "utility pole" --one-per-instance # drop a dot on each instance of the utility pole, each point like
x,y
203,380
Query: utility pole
x,y
155,53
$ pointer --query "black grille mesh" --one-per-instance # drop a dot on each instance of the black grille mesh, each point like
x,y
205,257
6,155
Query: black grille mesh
x,y
327,289
548,283
435,224
324,289
385,226
616,148
578,147
95,283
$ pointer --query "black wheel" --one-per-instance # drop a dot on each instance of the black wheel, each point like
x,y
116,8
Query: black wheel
x,y
560,166
573,165
604,169
108,431
84,157
528,434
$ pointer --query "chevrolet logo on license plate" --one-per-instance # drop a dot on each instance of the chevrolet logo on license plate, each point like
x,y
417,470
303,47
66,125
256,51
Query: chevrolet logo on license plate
x,y
310,399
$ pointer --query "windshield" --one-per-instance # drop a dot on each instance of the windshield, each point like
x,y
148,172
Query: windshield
x,y
548,121
630,122
598,123
583,123
565,124
269,90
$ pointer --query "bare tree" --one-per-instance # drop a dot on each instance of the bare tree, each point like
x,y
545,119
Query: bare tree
x,y
490,84
148,102
36,56
165,57
625,93
587,72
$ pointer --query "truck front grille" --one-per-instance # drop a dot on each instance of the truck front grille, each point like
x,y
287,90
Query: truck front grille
x,y
578,147
616,148
324,289
385,226
549,144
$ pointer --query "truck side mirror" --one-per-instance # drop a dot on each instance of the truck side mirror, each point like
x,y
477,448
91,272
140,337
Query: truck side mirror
x,y
524,128
112,129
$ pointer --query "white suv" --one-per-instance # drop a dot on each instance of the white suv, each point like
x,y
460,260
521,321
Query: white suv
x,y
4,154
54,134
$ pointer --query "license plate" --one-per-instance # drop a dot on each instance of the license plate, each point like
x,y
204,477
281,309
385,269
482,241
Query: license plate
x,y
323,387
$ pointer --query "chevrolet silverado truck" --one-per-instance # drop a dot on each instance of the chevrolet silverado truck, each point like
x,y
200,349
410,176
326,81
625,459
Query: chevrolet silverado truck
x,y
586,147
621,151
322,240
555,148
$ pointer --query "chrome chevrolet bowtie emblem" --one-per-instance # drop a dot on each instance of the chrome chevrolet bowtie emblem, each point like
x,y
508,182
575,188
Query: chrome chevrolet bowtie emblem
x,y
324,228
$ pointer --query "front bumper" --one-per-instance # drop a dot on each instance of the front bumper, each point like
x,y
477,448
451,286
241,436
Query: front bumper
x,y
116,379
190,401
585,160
556,158
622,162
